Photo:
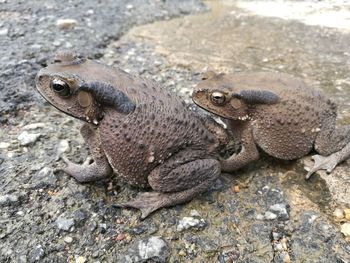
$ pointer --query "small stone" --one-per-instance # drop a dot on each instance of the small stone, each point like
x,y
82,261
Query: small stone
x,y
68,240
64,223
66,23
36,254
194,213
34,126
7,200
4,145
270,216
278,247
129,7
345,229
338,213
120,237
280,210
153,249
80,259
190,222
20,213
347,213
235,188
44,178
26,138
260,217
63,147
4,31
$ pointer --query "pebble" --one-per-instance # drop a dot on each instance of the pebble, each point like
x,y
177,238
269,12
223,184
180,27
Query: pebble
x,y
3,32
34,126
270,216
280,210
345,229
4,145
347,213
64,223
26,138
153,248
7,200
36,254
63,147
338,213
120,237
68,240
66,23
190,222
80,259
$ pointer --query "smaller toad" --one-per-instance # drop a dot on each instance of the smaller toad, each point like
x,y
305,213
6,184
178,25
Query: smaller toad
x,y
278,113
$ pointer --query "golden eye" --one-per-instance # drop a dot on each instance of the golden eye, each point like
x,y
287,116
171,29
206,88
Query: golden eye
x,y
60,87
218,98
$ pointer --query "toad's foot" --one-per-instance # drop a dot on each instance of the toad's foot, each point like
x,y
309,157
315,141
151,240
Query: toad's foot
x,y
147,202
89,171
323,163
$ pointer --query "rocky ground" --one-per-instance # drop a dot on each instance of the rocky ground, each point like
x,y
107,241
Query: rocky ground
x,y
265,212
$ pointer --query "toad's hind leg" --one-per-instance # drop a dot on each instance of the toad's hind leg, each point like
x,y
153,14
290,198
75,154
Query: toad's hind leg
x,y
177,186
335,145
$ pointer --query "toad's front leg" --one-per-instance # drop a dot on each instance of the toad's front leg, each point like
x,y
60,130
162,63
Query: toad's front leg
x,y
176,184
90,171
249,151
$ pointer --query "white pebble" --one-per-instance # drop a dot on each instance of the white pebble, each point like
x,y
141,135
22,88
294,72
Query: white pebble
x,y
345,229
270,216
26,138
3,32
4,145
34,126
66,23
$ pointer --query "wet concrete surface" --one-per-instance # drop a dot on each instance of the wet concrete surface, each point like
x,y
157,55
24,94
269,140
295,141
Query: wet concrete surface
x,y
266,212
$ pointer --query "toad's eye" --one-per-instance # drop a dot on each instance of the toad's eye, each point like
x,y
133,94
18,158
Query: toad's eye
x,y
218,98
60,87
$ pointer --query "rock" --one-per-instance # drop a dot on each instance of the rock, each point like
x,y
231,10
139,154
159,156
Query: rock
x,y
8,200
4,145
64,223
68,240
80,216
4,31
153,249
270,216
34,126
190,222
345,229
44,178
280,210
26,138
66,23
338,213
63,147
347,213
36,254
80,259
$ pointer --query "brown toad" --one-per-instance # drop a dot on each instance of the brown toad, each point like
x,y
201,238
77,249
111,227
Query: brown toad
x,y
134,128
277,112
